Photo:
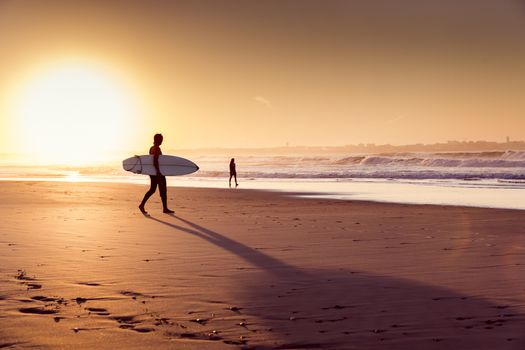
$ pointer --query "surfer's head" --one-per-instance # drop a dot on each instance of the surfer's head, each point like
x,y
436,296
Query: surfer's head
x,y
157,139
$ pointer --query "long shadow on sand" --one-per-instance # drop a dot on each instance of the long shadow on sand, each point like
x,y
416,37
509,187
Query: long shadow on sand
x,y
254,257
287,307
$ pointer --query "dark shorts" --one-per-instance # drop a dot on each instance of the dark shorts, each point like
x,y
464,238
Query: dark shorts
x,y
158,180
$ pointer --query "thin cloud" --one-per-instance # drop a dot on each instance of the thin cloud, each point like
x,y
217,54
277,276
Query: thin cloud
x,y
395,120
263,101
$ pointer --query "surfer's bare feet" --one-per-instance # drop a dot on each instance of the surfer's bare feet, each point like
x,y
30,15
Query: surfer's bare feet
x,y
142,210
236,185
168,211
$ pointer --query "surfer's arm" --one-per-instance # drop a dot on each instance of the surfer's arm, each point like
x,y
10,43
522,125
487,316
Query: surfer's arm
x,y
156,163
156,153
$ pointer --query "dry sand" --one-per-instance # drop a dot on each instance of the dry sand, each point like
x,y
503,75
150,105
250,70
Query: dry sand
x,y
81,268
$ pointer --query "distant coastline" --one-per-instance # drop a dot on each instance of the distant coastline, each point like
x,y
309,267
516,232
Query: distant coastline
x,y
369,148
359,149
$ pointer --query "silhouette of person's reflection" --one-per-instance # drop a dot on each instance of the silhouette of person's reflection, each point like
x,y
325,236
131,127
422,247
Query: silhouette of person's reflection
x,y
158,179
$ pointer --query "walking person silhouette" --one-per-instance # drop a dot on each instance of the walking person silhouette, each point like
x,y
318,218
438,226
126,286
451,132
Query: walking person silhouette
x,y
158,179
233,172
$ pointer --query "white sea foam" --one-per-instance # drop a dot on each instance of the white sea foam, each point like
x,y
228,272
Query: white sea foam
x,y
484,165
509,165
486,179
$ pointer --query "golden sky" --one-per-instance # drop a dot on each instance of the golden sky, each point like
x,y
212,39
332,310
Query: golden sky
x,y
258,73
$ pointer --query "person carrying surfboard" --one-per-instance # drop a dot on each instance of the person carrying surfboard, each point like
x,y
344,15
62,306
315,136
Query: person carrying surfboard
x,y
233,172
158,179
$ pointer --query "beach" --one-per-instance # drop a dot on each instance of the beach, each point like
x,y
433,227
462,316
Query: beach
x,y
82,268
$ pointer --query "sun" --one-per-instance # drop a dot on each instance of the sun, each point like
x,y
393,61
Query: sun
x,y
73,114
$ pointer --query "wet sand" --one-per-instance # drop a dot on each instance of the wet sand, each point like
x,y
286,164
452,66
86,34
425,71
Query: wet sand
x,y
82,268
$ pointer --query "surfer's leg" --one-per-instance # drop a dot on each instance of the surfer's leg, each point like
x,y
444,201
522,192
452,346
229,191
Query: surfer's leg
x,y
163,191
230,182
164,194
236,184
152,189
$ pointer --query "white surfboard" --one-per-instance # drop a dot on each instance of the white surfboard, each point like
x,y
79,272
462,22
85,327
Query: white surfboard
x,y
169,165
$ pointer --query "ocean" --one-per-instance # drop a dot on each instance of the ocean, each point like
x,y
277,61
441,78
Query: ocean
x,y
481,179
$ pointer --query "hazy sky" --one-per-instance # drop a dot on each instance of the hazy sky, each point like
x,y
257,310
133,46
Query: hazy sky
x,y
262,73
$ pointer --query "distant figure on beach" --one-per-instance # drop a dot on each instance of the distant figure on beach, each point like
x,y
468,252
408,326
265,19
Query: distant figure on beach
x,y
233,172
157,179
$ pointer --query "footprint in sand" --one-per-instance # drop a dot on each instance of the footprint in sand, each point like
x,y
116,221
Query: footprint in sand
x,y
46,299
196,336
98,311
90,284
143,329
77,329
129,322
125,320
132,294
37,311
80,300
34,286
22,275
200,321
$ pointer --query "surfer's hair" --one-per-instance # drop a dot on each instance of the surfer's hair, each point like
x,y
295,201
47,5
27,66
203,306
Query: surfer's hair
x,y
157,139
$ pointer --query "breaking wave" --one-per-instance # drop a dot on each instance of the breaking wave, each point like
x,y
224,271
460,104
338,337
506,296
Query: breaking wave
x,y
497,165
461,165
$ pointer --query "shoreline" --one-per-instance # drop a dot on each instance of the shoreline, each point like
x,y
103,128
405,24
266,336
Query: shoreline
x,y
82,268
362,191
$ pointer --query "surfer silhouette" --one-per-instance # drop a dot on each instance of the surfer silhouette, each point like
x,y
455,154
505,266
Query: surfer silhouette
x,y
233,172
158,179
